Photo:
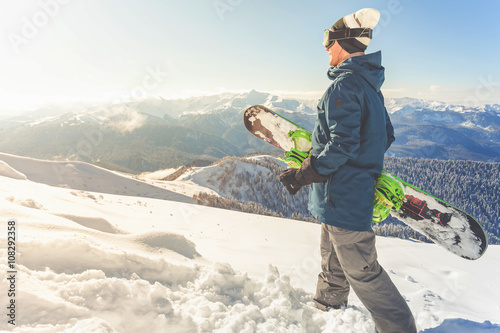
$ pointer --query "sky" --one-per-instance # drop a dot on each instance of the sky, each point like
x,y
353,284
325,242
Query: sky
x,y
65,51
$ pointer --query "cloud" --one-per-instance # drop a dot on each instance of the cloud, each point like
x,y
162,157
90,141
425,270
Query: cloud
x,y
124,120
435,88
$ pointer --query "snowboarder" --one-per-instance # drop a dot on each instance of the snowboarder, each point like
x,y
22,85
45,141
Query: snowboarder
x,y
351,135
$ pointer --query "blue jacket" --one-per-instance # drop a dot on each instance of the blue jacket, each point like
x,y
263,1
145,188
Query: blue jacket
x,y
351,134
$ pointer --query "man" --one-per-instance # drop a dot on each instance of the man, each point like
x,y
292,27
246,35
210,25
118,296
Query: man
x,y
351,135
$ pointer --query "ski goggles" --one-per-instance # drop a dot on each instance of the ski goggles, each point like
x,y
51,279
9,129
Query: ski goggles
x,y
329,37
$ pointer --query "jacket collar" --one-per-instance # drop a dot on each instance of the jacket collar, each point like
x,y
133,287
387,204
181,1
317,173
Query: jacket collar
x,y
369,66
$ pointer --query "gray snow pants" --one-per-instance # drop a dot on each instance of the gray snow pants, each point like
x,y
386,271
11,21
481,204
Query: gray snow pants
x,y
349,259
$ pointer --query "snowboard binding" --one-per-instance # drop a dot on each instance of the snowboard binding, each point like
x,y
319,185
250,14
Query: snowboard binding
x,y
294,158
389,195
301,150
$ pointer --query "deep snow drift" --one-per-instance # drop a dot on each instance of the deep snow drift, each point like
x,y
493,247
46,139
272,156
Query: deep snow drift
x,y
112,258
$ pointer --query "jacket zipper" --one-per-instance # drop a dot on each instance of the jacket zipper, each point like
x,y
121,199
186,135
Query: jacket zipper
x,y
328,183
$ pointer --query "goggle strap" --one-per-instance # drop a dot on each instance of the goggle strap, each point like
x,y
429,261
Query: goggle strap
x,y
350,33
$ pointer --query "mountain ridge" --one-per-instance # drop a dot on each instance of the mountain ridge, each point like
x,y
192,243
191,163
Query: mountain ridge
x,y
210,127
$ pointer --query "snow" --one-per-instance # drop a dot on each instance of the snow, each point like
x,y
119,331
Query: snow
x,y
7,171
471,125
215,179
158,175
462,325
264,158
85,177
406,106
91,260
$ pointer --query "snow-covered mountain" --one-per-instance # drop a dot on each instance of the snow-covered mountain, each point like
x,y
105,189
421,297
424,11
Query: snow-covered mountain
x,y
145,135
410,105
433,129
116,257
155,133
160,108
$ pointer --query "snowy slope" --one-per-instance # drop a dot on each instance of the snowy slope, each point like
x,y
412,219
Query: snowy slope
x,y
92,261
85,177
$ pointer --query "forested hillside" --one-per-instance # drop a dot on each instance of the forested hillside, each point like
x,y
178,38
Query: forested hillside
x,y
472,186
258,189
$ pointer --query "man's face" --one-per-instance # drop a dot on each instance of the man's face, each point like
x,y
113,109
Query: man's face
x,y
334,52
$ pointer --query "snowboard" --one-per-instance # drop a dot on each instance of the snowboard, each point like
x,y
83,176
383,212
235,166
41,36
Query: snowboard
x,y
441,222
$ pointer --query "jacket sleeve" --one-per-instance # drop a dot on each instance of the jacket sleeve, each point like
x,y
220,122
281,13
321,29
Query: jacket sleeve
x,y
389,130
388,126
343,116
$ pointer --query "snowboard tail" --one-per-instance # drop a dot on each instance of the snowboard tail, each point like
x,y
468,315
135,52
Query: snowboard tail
x,y
441,222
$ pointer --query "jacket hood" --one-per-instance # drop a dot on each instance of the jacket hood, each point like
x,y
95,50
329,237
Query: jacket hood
x,y
369,66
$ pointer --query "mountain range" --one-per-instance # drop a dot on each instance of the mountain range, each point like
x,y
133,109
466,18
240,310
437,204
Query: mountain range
x,y
155,133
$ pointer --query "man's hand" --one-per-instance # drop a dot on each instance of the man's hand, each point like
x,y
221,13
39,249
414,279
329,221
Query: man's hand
x,y
294,179
287,177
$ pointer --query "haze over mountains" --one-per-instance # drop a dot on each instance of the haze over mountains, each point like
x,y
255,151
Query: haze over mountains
x,y
155,133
